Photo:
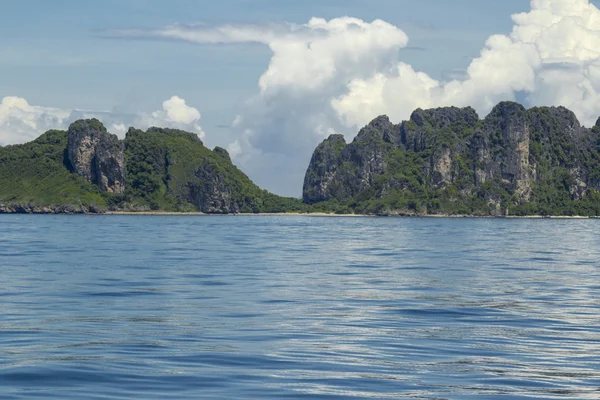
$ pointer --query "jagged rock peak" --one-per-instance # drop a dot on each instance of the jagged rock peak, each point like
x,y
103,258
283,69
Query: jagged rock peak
x,y
566,117
448,155
88,126
165,131
223,153
444,116
96,155
336,138
176,133
382,121
131,131
507,107
508,116
322,167
380,127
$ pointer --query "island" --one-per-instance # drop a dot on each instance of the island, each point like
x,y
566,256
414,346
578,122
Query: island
x,y
441,162
88,170
446,161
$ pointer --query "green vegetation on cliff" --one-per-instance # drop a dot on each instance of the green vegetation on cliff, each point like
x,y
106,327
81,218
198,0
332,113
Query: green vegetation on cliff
x,y
35,173
88,170
539,161
171,170
448,161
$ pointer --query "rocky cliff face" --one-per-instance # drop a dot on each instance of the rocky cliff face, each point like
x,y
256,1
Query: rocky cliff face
x,y
210,193
88,170
173,169
448,159
322,180
500,149
223,153
97,155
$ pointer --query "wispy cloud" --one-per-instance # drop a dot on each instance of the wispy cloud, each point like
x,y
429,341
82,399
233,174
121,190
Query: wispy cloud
x,y
203,33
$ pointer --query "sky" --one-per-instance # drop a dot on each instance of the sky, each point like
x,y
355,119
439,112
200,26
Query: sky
x,y
270,79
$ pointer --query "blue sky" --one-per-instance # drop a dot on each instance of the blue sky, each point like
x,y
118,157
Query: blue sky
x,y
54,53
66,55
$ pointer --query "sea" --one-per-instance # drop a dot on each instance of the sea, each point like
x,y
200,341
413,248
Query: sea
x,y
298,307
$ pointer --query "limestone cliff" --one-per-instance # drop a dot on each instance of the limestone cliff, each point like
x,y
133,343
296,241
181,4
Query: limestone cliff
x,y
97,155
447,160
88,170
172,169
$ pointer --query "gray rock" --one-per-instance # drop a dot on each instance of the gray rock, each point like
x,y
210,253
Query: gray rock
x,y
209,191
223,153
29,208
321,173
97,155
512,149
501,149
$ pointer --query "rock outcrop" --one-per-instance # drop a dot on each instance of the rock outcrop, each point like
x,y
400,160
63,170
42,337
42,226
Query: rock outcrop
x,y
97,155
222,152
88,170
171,166
447,158
210,193
322,180
28,208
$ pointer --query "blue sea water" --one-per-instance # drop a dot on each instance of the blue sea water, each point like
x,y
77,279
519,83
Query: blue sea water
x,y
174,307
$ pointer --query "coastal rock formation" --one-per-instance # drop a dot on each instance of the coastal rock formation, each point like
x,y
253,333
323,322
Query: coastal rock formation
x,y
21,208
447,160
322,180
97,155
515,161
88,170
210,193
171,168
222,152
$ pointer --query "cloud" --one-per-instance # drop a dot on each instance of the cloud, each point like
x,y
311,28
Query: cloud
x,y
206,34
552,57
305,57
311,64
175,113
21,122
334,76
337,75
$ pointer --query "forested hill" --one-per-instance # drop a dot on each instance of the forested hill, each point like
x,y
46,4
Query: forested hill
x,y
539,161
443,161
87,169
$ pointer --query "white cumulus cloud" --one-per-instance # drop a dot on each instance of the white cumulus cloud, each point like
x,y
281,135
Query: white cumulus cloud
x,y
178,111
21,122
311,64
337,75
175,113
552,57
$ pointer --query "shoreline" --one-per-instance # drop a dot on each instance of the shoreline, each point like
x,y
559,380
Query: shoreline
x,y
321,214
200,214
48,211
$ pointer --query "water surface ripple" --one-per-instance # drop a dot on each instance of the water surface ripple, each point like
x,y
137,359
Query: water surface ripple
x,y
167,307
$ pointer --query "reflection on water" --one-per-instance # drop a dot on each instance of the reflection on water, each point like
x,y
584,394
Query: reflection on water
x,y
126,307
